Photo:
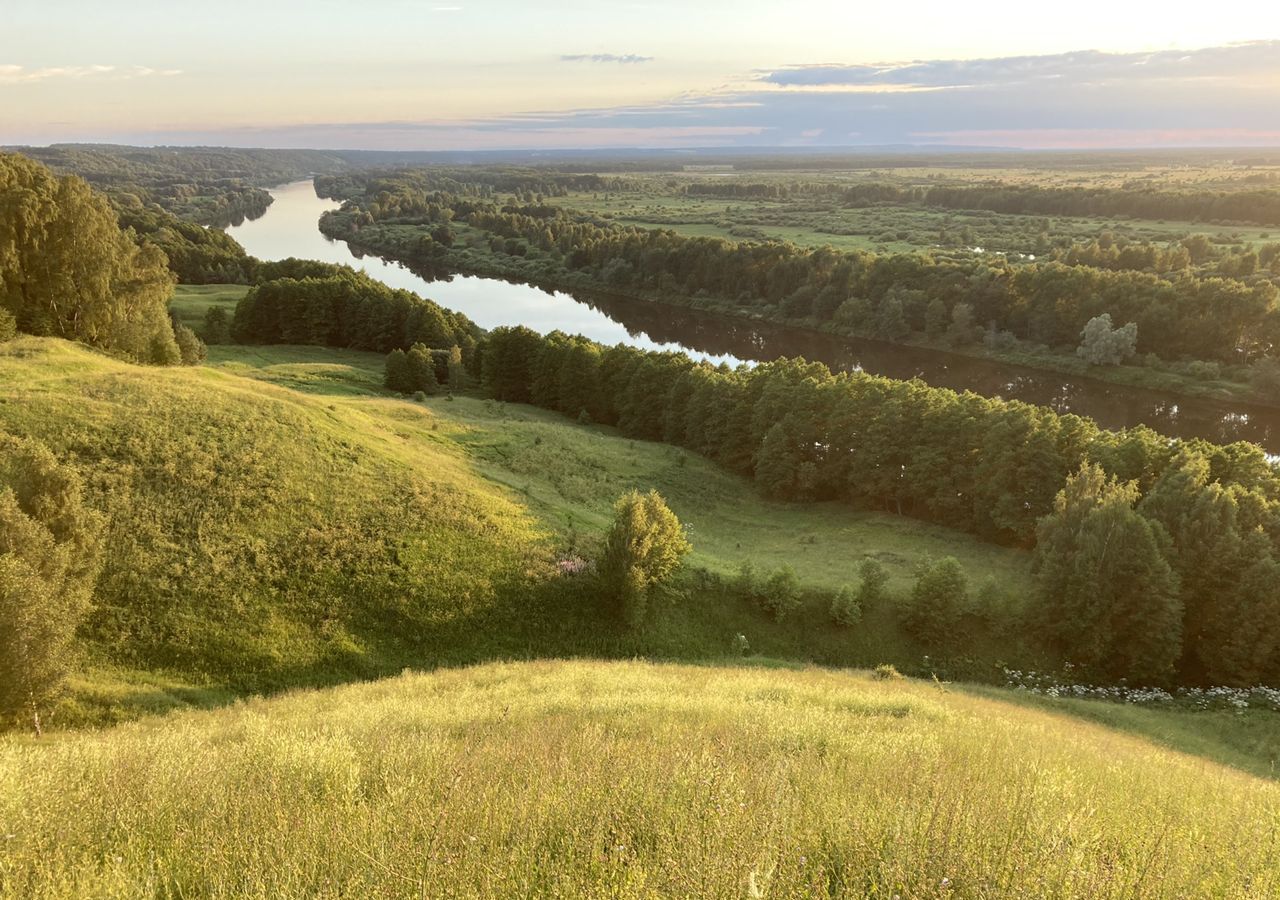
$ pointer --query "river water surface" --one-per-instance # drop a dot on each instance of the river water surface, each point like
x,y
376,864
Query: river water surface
x,y
290,228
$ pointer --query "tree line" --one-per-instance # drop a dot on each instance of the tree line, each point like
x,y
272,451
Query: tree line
x,y
994,468
1179,315
1257,207
68,270
309,302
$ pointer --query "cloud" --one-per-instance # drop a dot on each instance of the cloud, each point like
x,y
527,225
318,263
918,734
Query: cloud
x,y
625,59
1220,96
11,74
1082,67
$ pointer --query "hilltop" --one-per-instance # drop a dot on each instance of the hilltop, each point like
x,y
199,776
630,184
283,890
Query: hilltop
x,y
629,780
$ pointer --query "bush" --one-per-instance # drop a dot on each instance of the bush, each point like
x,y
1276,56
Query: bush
x,y
886,672
8,326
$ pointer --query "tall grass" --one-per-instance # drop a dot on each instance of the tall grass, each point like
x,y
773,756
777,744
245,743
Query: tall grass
x,y
627,780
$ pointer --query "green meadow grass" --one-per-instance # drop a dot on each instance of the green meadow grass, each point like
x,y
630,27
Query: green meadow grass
x,y
192,301
628,780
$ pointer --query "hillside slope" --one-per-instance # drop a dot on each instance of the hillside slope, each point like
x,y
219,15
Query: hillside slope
x,y
628,780
262,536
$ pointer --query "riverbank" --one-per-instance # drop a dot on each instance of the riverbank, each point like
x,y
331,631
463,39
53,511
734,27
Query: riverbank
x,y
473,257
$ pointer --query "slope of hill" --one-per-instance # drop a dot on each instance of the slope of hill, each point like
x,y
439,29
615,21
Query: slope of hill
x,y
261,537
578,779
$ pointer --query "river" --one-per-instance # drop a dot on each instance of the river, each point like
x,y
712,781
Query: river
x,y
290,228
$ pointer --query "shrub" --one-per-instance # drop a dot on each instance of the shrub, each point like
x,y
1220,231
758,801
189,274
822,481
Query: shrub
x,y
886,672
8,326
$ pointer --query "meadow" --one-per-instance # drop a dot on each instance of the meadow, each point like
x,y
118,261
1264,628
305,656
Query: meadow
x,y
628,780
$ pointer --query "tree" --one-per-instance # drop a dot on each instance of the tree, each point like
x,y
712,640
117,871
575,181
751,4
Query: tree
x,y
190,347
873,590
48,564
937,601
67,269
845,609
8,326
962,330
457,371
780,593
398,376
217,326
1107,596
421,370
936,318
1102,344
642,549
1264,376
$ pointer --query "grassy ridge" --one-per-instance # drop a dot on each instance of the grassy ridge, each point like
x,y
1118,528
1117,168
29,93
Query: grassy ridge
x,y
628,780
260,536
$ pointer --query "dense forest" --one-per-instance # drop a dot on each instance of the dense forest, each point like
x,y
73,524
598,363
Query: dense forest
x,y
68,270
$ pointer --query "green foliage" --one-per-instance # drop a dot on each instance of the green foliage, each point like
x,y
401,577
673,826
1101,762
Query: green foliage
x,y
1106,593
873,589
1101,344
305,302
8,326
67,270
421,370
1264,376
193,350
845,608
217,326
642,549
938,600
398,377
886,672
48,563
780,593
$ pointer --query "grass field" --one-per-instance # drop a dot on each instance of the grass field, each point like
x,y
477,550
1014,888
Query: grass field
x,y
628,780
192,301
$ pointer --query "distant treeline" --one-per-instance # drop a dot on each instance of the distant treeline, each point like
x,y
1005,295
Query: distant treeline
x,y
1257,207
987,466
890,295
1261,207
309,302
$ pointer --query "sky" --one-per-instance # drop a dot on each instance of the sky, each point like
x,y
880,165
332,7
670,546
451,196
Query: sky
x,y
463,74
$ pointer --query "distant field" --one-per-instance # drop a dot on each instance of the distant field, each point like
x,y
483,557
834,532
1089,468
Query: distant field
x,y
629,780
192,301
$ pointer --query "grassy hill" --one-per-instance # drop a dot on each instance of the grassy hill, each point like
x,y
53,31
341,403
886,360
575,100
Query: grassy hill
x,y
628,780
277,519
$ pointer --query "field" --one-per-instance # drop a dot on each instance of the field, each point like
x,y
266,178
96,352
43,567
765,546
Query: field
x,y
628,780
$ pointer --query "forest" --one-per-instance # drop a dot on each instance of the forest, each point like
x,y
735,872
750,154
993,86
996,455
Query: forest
x,y
1193,305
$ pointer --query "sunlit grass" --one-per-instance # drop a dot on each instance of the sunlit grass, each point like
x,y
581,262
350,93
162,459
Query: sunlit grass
x,y
627,780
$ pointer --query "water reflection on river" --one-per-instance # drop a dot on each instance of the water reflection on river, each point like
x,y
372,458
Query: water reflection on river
x,y
289,228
